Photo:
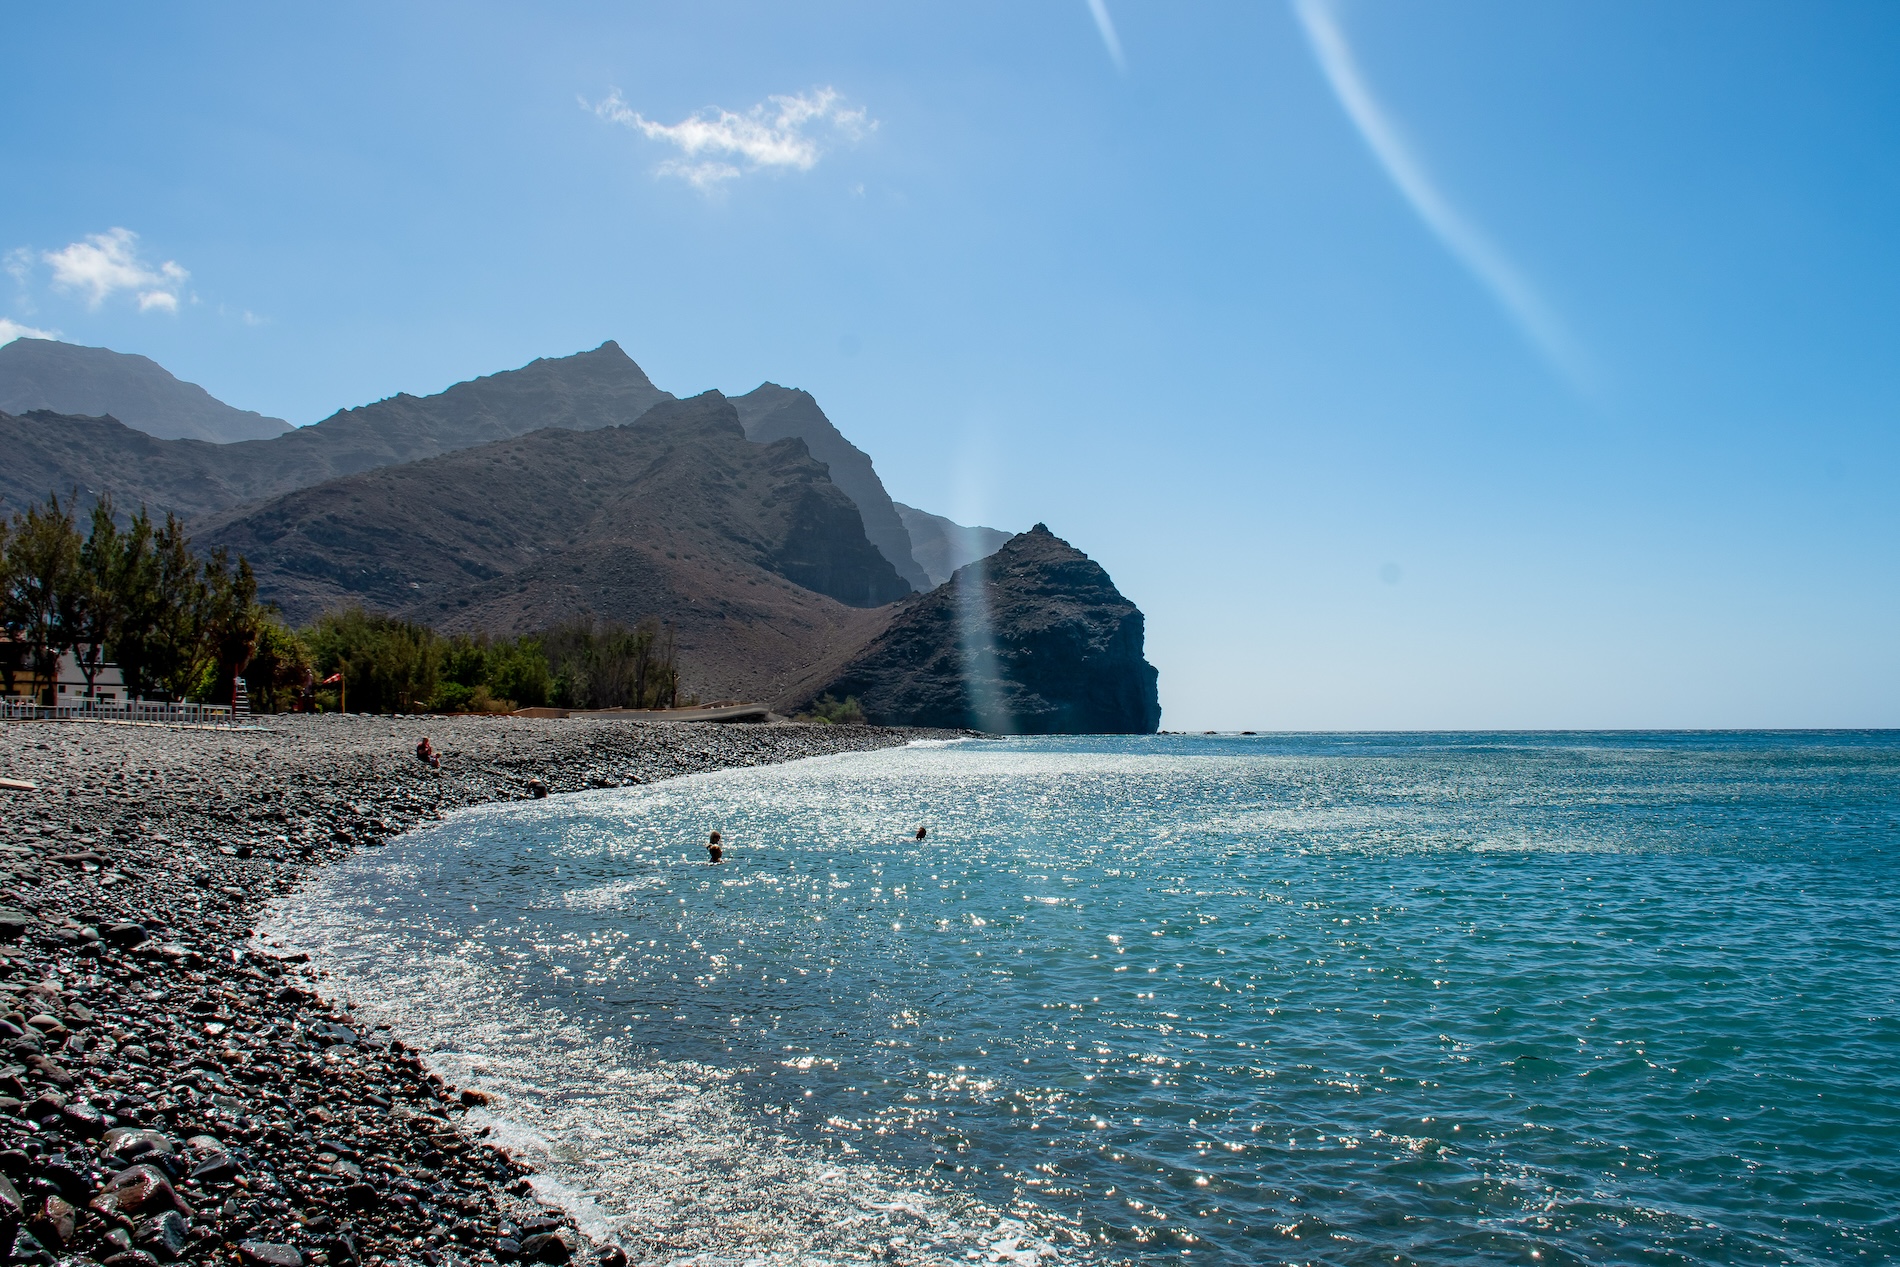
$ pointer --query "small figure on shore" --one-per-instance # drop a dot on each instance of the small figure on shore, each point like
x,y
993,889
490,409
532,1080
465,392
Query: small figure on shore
x,y
426,753
920,833
712,848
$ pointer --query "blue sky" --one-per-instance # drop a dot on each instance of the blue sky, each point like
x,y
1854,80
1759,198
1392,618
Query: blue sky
x,y
1462,364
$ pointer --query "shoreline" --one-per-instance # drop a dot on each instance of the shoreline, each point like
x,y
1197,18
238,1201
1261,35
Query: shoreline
x,y
176,1096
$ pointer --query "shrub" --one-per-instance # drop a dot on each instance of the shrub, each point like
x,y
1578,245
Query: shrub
x,y
388,665
833,712
605,664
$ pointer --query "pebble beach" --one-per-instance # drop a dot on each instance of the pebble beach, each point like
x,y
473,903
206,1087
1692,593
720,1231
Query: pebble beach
x,y
172,1090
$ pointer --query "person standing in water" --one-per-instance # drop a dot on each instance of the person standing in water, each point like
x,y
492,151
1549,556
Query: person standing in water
x,y
714,852
920,833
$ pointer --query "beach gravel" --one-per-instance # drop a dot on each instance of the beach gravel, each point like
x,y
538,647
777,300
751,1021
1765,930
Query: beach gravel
x,y
168,1093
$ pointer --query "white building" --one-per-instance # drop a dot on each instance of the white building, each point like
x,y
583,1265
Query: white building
x,y
108,684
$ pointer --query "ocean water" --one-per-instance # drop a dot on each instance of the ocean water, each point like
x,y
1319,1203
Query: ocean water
x,y
1531,999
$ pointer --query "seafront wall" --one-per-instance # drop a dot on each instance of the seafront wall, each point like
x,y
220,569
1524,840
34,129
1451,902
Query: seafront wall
x,y
166,1094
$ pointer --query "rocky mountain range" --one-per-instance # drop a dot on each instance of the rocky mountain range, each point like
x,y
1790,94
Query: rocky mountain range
x,y
575,487
191,478
66,378
754,556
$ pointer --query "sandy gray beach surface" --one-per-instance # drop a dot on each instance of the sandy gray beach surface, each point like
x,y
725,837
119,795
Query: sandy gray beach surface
x,y
168,1095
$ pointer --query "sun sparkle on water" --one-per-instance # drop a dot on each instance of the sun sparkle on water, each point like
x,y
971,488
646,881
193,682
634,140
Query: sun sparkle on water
x,y
1331,999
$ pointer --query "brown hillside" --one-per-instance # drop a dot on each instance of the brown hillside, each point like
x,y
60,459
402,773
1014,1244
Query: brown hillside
x,y
757,560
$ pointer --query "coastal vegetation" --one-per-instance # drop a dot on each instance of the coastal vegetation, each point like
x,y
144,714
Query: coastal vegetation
x,y
177,624
835,712
386,665
184,625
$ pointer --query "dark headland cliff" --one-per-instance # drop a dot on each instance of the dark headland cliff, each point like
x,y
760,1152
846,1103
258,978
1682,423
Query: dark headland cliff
x,y
1033,640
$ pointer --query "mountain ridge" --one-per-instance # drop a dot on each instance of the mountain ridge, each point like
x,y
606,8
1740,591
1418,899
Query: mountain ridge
x,y
598,388
749,550
941,545
74,379
770,412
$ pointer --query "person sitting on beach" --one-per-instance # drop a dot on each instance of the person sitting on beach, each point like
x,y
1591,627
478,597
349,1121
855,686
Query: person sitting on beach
x,y
426,753
713,850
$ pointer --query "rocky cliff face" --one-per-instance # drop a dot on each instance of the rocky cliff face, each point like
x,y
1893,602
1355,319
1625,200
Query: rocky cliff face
x,y
66,378
941,546
770,412
1034,639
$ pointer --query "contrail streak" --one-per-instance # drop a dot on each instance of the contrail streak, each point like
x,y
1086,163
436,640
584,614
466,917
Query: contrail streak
x,y
1106,26
1462,238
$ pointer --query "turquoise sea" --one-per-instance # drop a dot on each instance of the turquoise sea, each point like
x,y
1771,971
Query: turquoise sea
x,y
1513,998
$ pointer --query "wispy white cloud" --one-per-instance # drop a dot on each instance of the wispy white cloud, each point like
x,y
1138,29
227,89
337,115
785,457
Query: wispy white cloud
x,y
19,264
717,146
1106,25
105,264
11,330
1539,324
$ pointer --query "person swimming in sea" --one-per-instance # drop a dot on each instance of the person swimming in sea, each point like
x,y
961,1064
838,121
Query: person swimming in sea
x,y
920,833
713,851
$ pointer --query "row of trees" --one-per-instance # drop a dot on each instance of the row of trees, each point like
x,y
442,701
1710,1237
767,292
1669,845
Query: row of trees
x,y
177,625
181,626
393,666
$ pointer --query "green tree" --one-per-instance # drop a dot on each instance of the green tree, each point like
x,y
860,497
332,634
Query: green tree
x,y
140,598
44,557
518,670
836,712
94,603
178,612
389,665
230,625
280,668
11,661
605,664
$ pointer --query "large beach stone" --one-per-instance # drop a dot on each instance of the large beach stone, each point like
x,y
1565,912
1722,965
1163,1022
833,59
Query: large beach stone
x,y
12,1208
48,1071
123,934
165,1237
126,1144
549,1247
51,1221
72,1184
27,1249
268,1254
217,1168
139,1190
83,1120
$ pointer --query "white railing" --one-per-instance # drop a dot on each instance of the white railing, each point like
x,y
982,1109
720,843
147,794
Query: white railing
x,y
20,708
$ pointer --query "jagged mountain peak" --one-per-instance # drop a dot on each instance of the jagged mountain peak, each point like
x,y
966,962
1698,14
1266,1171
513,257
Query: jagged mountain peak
x,y
772,412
